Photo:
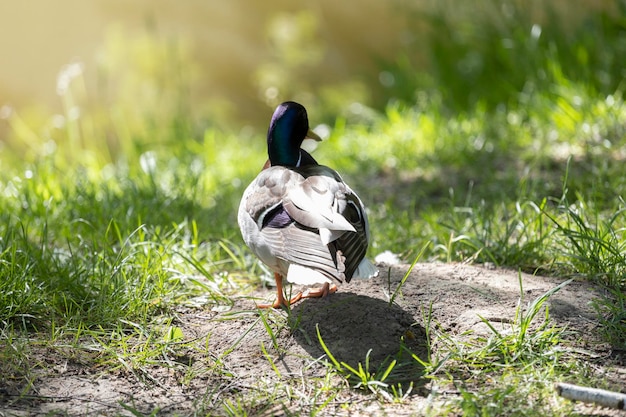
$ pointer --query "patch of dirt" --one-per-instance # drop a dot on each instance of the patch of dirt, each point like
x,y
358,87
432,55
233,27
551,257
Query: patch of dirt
x,y
225,351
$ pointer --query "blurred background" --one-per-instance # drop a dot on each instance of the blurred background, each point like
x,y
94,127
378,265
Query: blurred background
x,y
230,60
230,63
420,93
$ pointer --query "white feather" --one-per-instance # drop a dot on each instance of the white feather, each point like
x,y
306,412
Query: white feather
x,y
365,270
330,235
301,275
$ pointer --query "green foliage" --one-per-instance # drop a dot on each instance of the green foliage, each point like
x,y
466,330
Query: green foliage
x,y
507,150
511,369
492,53
524,345
594,243
611,309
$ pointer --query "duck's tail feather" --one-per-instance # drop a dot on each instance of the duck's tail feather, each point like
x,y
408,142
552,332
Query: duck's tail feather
x,y
365,270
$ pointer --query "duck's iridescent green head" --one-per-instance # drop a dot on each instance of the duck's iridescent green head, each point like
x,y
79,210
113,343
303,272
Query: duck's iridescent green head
x,y
288,128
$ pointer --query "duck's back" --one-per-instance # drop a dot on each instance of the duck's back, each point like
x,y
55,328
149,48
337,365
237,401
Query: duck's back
x,y
308,217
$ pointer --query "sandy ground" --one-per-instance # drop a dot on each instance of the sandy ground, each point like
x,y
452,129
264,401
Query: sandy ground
x,y
358,318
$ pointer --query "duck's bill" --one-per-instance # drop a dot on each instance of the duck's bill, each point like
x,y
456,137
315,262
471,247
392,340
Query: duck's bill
x,y
312,135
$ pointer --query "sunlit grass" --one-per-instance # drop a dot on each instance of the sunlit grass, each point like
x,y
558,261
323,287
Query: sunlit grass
x,y
111,220
510,370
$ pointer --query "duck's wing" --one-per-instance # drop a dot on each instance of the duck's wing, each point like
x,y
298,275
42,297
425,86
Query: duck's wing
x,y
306,216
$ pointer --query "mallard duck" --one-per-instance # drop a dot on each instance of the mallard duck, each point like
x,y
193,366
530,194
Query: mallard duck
x,y
300,218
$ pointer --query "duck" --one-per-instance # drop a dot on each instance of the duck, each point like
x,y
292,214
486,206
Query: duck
x,y
300,218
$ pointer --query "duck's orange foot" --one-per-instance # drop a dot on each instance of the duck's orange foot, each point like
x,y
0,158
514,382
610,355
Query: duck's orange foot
x,y
281,301
320,292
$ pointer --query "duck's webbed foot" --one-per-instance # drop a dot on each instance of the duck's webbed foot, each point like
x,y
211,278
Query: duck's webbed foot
x,y
320,292
281,301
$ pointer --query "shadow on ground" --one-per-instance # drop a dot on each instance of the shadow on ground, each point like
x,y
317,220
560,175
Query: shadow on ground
x,y
358,329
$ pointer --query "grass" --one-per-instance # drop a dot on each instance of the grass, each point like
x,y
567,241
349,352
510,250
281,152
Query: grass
x,y
102,243
510,370
362,376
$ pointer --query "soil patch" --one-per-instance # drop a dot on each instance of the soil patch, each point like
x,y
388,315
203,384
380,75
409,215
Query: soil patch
x,y
240,350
